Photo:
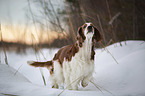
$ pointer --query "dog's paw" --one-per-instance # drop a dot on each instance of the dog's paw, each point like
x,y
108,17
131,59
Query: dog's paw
x,y
84,84
55,86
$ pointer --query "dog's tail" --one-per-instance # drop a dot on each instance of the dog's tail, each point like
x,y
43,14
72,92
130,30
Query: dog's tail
x,y
40,64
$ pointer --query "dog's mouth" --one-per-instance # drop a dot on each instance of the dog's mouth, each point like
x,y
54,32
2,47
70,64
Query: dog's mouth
x,y
90,29
89,32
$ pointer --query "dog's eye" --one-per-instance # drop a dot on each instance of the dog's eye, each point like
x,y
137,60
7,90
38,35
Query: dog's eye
x,y
84,26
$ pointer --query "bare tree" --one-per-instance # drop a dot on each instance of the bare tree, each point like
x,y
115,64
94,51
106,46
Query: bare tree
x,y
117,20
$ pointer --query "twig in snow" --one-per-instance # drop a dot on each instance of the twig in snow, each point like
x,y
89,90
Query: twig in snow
x,y
96,86
42,76
142,43
69,85
18,69
109,52
8,94
102,87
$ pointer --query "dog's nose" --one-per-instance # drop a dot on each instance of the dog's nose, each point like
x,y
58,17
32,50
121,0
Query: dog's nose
x,y
89,28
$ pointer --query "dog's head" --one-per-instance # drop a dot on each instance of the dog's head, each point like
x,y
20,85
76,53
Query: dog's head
x,y
88,30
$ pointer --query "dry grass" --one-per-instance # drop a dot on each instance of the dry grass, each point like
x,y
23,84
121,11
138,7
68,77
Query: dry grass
x,y
4,50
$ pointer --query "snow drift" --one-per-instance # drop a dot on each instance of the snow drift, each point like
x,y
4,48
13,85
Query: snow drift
x,y
124,79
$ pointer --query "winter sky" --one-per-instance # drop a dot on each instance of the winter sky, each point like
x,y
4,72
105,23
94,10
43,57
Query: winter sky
x,y
15,15
16,10
12,11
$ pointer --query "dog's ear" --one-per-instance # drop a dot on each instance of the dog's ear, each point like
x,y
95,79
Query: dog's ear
x,y
80,36
97,36
80,33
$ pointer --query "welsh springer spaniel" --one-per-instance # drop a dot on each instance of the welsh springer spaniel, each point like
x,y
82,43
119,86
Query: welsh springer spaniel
x,y
74,63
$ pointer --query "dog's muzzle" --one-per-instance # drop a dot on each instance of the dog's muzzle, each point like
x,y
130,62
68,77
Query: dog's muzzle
x,y
90,29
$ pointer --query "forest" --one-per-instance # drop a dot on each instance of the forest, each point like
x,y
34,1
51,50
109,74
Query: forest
x,y
117,20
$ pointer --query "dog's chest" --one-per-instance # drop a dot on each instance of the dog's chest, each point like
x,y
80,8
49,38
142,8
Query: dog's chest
x,y
81,62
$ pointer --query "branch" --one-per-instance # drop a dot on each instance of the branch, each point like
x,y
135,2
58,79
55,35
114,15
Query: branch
x,y
6,60
114,17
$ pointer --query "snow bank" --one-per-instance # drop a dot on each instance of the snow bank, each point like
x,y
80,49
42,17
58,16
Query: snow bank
x,y
123,79
16,84
127,77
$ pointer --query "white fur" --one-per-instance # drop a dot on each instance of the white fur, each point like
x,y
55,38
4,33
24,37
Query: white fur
x,y
30,62
57,78
79,69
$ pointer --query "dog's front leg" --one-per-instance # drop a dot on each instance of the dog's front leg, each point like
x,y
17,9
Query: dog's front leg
x,y
86,80
54,84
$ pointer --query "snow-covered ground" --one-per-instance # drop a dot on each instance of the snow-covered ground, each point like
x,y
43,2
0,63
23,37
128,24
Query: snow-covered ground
x,y
124,79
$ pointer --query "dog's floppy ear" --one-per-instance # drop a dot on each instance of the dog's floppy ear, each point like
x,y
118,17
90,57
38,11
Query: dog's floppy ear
x,y
80,36
97,36
80,33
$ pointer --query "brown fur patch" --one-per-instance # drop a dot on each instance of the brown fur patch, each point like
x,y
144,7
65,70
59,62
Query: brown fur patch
x,y
97,36
51,70
66,52
80,37
92,52
42,64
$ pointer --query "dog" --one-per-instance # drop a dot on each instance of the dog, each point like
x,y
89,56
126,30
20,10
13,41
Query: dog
x,y
74,64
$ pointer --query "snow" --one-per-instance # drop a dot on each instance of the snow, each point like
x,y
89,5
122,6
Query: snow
x,y
124,79
19,85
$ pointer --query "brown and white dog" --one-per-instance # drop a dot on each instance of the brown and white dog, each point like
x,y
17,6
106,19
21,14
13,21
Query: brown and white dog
x,y
74,62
